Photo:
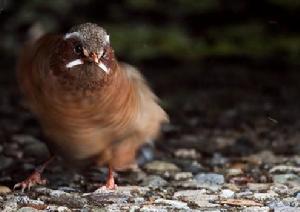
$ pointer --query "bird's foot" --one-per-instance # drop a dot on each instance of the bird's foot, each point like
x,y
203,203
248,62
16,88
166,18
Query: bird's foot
x,y
32,180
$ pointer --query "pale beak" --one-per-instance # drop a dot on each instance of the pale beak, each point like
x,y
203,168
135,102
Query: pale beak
x,y
94,57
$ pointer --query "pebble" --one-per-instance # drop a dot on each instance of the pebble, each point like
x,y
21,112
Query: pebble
x,y
234,171
244,194
279,188
23,139
285,169
153,208
210,181
28,209
183,175
286,178
37,150
154,181
198,197
5,162
161,167
286,209
258,186
227,194
4,190
256,209
174,203
187,154
193,167
265,196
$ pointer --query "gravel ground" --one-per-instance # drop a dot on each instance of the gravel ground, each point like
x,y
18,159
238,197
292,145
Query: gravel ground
x,y
237,160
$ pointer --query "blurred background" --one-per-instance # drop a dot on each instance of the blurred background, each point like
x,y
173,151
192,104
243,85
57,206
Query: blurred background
x,y
227,72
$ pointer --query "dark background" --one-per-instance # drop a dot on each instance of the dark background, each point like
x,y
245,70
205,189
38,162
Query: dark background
x,y
227,72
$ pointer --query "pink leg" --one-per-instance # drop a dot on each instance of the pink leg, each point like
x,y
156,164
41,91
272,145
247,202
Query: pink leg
x,y
110,181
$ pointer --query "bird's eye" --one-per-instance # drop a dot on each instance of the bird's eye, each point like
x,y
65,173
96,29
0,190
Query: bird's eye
x,y
78,49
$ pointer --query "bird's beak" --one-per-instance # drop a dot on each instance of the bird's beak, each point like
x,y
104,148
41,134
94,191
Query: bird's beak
x,y
93,57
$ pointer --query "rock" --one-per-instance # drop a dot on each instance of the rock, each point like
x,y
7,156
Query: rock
x,y
5,162
234,171
286,178
130,190
227,193
154,181
24,139
279,188
173,203
153,208
265,196
190,183
4,190
218,159
285,169
256,209
198,197
37,150
266,157
210,181
286,209
28,209
244,195
183,175
258,186
187,154
193,167
161,167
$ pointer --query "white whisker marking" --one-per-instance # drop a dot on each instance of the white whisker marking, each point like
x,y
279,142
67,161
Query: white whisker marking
x,y
74,63
103,67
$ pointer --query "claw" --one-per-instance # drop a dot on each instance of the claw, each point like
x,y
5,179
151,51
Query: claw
x,y
32,180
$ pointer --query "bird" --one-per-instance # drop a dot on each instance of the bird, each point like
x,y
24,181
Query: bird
x,y
92,108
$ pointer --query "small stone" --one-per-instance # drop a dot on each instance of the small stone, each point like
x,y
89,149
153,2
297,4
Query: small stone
x,y
256,209
189,183
286,209
210,181
63,209
279,188
285,169
24,139
4,190
187,154
227,193
183,175
5,162
36,150
28,209
258,186
153,208
161,167
286,178
173,203
265,196
234,171
154,181
193,167
198,197
245,194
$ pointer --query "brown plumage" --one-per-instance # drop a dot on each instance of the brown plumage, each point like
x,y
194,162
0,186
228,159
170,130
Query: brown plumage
x,y
89,111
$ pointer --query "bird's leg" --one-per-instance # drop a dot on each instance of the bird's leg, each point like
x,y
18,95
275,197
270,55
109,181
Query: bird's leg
x,y
35,178
110,181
